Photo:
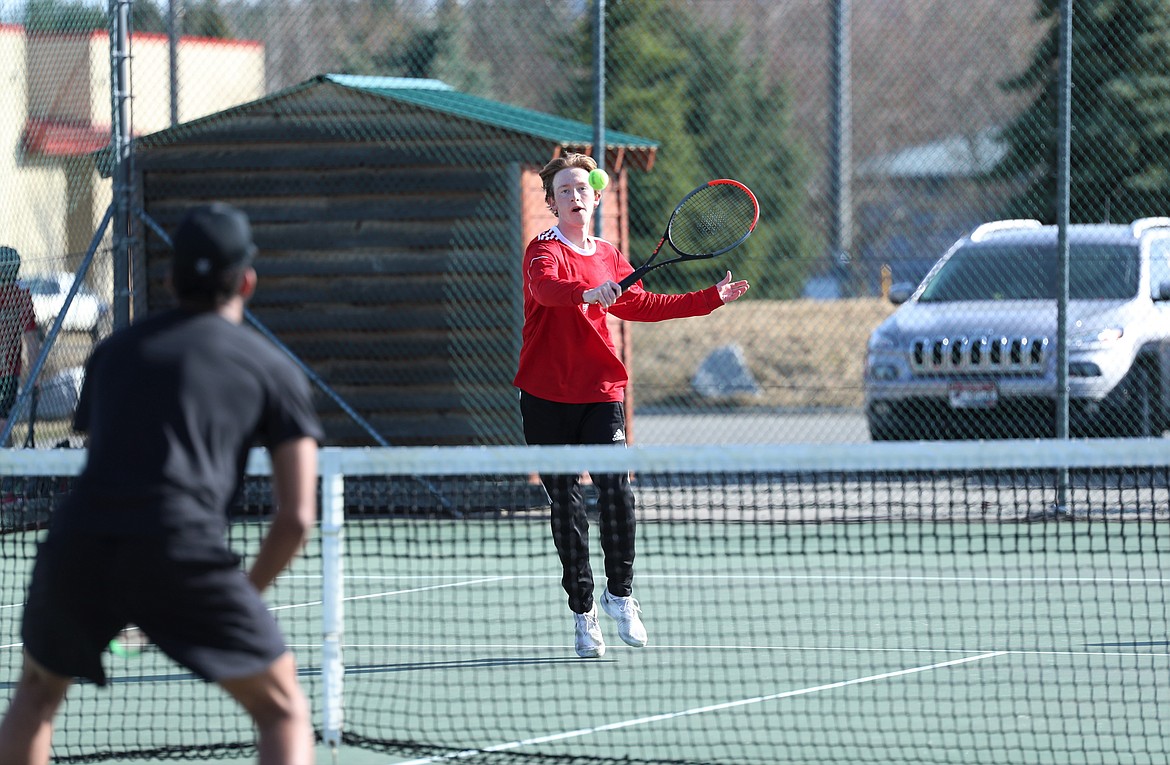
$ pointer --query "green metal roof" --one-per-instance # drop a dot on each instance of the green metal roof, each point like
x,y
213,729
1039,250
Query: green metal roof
x,y
429,94
437,95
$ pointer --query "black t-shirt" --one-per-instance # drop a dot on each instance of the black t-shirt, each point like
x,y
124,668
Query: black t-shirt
x,y
172,406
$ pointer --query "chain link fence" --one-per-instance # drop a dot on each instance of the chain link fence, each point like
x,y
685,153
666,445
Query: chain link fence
x,y
387,152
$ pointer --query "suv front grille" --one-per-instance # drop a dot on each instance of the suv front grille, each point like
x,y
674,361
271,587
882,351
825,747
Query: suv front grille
x,y
1001,355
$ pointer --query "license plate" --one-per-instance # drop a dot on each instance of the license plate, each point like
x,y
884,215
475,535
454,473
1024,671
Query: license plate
x,y
982,395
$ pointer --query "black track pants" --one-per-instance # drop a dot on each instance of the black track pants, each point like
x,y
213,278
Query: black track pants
x,y
551,422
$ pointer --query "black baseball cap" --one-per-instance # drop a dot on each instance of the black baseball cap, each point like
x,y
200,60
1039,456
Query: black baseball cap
x,y
209,241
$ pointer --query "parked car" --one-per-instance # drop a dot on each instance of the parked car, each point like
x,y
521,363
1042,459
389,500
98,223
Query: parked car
x,y
87,312
972,351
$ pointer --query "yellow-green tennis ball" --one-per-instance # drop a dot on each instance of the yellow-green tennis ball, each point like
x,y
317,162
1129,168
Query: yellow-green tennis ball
x,y
598,179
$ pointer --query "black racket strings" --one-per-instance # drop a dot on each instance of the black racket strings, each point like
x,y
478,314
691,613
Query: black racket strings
x,y
714,218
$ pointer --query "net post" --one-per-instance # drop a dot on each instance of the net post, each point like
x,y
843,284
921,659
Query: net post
x,y
332,597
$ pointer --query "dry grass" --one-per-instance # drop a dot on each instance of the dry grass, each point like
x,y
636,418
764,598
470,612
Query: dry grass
x,y
803,353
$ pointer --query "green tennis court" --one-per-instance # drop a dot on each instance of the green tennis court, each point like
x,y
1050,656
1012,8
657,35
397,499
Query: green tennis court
x,y
757,657
860,616
764,657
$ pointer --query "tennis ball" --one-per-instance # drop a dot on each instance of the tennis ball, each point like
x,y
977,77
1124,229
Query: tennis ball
x,y
124,650
129,643
598,179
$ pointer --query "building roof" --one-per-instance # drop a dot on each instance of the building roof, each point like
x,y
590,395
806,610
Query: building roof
x,y
960,156
437,96
441,97
63,138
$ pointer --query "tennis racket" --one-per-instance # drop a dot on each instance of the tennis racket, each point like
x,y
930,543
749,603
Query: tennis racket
x,y
714,218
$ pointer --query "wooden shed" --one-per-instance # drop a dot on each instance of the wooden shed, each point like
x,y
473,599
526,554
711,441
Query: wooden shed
x,y
391,216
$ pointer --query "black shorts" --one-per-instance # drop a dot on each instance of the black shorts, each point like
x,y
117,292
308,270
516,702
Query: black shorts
x,y
552,422
203,613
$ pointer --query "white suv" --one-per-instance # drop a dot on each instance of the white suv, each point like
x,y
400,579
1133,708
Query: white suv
x,y
971,353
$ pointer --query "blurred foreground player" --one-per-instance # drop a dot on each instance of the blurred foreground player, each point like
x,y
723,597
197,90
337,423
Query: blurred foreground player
x,y
171,406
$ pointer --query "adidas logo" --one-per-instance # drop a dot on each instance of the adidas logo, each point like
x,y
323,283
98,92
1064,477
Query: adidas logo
x,y
619,436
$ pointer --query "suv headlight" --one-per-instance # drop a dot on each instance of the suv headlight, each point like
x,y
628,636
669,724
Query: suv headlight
x,y
1084,338
883,372
881,343
882,340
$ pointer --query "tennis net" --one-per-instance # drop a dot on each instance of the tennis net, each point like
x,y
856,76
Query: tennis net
x,y
914,603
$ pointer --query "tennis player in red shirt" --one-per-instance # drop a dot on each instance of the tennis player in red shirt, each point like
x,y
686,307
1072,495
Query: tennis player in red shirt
x,y
572,384
18,325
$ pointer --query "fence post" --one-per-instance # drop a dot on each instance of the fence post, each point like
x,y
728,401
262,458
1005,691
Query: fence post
x,y
332,597
120,148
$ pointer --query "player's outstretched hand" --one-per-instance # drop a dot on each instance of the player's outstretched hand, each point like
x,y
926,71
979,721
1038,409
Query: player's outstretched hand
x,y
729,290
603,294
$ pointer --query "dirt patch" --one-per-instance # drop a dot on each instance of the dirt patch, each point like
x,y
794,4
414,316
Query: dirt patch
x,y
803,353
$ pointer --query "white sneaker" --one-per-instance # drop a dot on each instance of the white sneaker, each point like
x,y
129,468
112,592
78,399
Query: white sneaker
x,y
590,644
627,612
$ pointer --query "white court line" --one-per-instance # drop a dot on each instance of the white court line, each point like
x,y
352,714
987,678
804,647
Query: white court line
x,y
794,648
467,583
309,604
752,577
892,578
786,578
694,711
733,647
389,593
463,582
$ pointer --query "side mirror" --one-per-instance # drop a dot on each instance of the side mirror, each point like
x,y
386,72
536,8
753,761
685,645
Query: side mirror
x,y
1163,292
901,292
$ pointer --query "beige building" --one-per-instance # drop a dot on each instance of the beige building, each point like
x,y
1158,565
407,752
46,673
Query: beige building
x,y
55,111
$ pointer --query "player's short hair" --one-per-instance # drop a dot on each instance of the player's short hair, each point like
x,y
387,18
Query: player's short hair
x,y
583,161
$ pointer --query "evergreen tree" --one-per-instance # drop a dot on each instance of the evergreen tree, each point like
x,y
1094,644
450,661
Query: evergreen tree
x,y
647,78
454,62
145,16
79,16
1120,107
202,18
379,37
205,19
713,113
63,16
741,125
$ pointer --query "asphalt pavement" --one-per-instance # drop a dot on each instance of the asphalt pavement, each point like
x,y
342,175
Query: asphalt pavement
x,y
786,427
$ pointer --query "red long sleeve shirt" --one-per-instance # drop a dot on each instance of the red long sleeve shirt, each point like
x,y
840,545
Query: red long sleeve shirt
x,y
567,353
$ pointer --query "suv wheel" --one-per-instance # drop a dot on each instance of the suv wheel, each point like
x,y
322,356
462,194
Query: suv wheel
x,y
102,327
894,428
1140,412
